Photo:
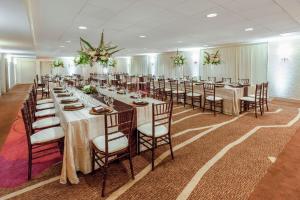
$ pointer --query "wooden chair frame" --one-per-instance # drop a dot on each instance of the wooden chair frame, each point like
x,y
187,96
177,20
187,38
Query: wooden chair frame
x,y
114,122
161,115
189,88
210,90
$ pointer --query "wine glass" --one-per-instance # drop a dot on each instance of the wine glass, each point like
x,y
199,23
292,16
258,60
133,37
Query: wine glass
x,y
105,98
110,101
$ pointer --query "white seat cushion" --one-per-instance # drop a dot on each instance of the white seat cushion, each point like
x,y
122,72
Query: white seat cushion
x,y
47,135
251,99
39,89
167,89
179,91
44,113
45,106
211,98
43,101
47,122
193,94
252,95
114,145
147,130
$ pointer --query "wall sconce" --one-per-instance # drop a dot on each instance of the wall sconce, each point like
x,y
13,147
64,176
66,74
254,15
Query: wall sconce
x,y
195,62
284,60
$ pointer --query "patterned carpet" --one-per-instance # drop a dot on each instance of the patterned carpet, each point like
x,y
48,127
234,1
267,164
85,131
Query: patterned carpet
x,y
222,157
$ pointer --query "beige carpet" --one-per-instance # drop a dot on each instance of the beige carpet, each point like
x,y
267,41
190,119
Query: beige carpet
x,y
222,157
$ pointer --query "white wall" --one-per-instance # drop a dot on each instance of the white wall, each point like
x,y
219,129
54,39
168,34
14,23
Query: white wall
x,y
284,68
26,69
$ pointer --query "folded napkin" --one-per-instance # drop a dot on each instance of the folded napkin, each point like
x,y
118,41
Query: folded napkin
x,y
59,91
58,88
64,95
99,109
75,105
69,100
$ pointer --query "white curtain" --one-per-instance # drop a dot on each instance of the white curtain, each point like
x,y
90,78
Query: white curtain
x,y
246,61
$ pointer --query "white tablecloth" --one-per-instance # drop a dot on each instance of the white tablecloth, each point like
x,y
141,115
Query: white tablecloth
x,y
80,128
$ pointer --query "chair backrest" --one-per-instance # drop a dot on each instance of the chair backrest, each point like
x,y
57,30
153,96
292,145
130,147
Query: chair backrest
x,y
265,90
27,123
226,80
244,81
188,86
118,122
174,85
258,92
213,79
161,84
209,90
162,115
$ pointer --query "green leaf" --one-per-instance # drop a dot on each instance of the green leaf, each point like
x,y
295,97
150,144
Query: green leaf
x,y
87,43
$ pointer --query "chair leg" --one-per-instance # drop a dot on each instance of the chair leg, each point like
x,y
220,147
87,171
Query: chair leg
x,y
131,166
267,105
104,177
193,103
204,104
153,153
29,164
222,107
93,161
184,101
171,148
138,143
255,107
214,105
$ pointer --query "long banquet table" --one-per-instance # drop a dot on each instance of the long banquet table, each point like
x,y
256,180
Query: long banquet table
x,y
231,95
81,128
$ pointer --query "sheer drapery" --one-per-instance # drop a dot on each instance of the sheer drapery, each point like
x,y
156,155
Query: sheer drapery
x,y
246,61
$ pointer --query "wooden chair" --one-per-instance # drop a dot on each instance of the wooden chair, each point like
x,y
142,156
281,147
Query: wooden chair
x,y
255,102
265,95
40,122
153,90
41,113
226,80
179,94
190,93
244,81
211,98
39,142
114,144
163,92
212,79
158,131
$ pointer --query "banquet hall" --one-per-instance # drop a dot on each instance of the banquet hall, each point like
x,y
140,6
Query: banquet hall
x,y
150,99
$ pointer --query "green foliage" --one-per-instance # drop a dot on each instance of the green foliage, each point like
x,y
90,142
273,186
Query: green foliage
x,y
58,63
100,54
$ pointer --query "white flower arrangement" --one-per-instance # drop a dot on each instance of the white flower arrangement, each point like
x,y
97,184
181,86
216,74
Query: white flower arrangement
x,y
58,63
112,62
178,59
213,58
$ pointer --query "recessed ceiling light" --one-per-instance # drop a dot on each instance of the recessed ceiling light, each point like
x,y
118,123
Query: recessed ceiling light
x,y
179,41
68,41
212,15
286,34
142,36
205,45
82,27
249,29
61,46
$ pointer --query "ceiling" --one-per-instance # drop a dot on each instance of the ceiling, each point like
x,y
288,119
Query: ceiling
x,y
167,24
15,32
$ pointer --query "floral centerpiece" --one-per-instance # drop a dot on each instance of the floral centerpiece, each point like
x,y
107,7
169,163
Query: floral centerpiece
x,y
112,62
178,59
89,89
213,58
100,54
82,59
58,63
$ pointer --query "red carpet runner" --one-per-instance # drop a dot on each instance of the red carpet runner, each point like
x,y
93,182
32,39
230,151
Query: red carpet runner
x,y
13,157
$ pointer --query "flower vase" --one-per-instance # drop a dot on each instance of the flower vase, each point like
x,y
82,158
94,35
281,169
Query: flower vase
x,y
85,69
